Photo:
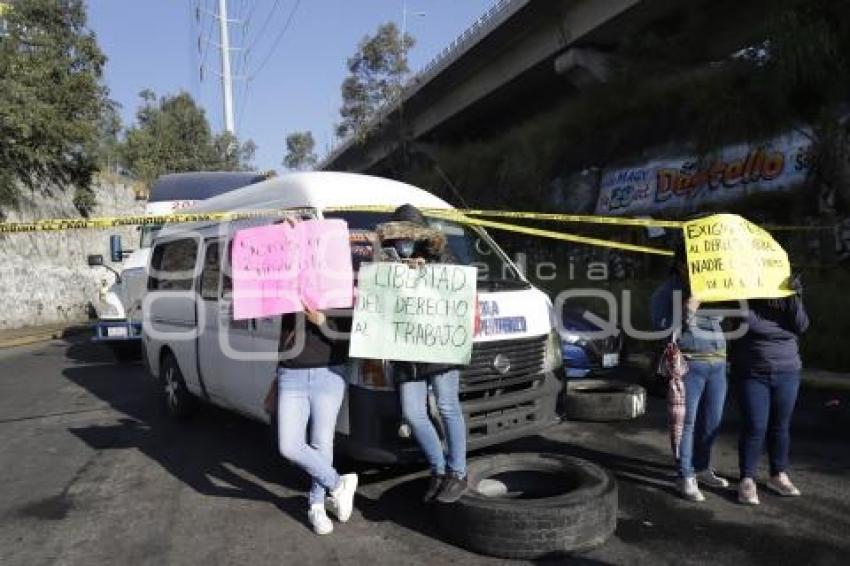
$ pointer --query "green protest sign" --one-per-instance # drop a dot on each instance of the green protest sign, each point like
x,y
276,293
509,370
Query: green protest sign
x,y
422,314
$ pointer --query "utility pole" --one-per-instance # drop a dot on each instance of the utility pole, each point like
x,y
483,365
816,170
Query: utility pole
x,y
226,78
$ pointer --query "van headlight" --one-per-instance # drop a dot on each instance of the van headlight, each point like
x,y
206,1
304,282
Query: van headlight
x,y
553,359
371,374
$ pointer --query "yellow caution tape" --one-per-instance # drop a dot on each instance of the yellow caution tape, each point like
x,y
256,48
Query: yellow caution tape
x,y
555,217
55,224
578,218
618,221
459,215
575,238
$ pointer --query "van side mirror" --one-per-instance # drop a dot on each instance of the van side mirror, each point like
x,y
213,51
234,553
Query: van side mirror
x,y
116,254
97,261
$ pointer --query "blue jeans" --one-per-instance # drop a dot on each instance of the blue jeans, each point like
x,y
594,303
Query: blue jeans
x,y
414,406
310,396
767,403
705,393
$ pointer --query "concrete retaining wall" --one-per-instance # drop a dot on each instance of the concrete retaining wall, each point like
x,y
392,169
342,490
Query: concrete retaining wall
x,y
44,277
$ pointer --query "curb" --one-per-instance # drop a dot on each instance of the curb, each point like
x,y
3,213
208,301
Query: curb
x,y
53,334
809,379
826,383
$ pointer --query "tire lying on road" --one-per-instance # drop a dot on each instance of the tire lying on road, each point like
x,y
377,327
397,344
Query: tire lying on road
x,y
531,506
603,400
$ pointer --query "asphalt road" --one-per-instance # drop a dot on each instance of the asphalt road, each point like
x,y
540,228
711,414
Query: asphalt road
x,y
94,473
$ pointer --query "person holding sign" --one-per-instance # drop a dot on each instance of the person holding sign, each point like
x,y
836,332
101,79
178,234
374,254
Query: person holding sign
x,y
408,238
702,342
731,258
766,366
309,390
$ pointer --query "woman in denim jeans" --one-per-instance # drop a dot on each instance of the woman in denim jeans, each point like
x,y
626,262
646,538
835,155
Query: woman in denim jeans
x,y
703,344
408,233
766,367
310,389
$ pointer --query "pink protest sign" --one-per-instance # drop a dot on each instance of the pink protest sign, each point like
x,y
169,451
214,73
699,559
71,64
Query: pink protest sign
x,y
265,271
327,276
277,268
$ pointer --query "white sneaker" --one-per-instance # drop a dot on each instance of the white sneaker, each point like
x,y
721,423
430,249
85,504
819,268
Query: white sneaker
x,y
319,519
341,500
747,492
782,485
709,478
689,490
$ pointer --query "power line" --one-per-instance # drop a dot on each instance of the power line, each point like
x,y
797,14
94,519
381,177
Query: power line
x,y
278,38
204,33
243,102
251,76
251,12
242,61
265,25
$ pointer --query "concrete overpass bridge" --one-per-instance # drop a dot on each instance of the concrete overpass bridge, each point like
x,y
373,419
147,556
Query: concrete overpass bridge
x,y
519,58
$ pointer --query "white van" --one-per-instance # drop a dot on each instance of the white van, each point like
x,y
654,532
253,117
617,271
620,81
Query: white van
x,y
196,350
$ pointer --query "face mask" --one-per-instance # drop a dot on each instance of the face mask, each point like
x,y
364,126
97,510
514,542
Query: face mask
x,y
404,248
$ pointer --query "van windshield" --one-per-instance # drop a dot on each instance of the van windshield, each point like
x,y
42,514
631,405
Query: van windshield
x,y
148,233
468,244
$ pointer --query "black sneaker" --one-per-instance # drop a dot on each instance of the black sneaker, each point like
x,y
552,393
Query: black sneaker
x,y
433,488
453,489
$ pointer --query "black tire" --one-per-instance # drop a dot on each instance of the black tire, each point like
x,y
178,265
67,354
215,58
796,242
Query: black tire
x,y
603,400
126,353
551,505
179,402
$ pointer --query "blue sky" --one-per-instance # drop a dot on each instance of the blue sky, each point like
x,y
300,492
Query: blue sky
x,y
153,44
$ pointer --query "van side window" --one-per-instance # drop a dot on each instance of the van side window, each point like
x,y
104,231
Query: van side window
x,y
209,276
173,265
227,279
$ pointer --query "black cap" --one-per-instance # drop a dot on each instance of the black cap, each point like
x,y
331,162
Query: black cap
x,y
408,213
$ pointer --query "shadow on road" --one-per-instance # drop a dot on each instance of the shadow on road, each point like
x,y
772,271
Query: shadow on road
x,y
653,516
223,455
202,452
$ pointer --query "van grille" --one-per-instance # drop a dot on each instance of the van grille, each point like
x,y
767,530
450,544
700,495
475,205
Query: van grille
x,y
480,380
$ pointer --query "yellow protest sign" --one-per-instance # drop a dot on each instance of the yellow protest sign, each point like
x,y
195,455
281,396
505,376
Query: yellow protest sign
x,y
731,258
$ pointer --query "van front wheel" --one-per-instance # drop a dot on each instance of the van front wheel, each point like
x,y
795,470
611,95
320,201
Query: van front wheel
x,y
179,403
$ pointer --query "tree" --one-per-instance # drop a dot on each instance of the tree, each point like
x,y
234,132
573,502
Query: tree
x,y
375,76
108,138
300,151
52,97
172,135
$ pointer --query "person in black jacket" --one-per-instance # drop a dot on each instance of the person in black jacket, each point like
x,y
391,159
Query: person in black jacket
x,y
416,243
766,366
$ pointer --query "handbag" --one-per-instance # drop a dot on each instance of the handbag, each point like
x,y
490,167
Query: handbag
x,y
672,363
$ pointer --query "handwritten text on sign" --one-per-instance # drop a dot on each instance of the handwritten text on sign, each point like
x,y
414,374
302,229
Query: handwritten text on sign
x,y
277,268
730,258
414,314
265,271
